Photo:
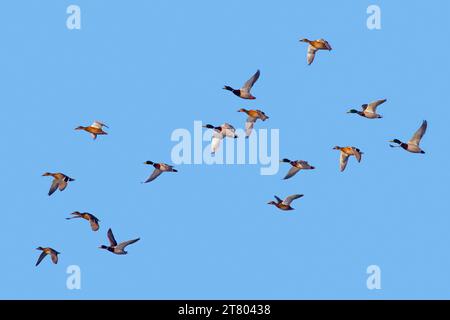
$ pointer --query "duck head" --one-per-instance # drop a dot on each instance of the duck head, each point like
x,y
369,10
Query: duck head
x,y
285,160
79,128
208,126
352,111
304,40
242,110
396,141
149,162
337,148
103,247
40,248
272,202
46,174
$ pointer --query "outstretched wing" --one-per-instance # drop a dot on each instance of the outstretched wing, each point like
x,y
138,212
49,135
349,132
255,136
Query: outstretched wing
x,y
343,161
249,124
372,107
111,238
215,142
250,82
292,172
291,198
94,223
98,125
54,186
41,257
54,257
62,185
278,199
311,54
357,154
122,245
419,134
156,173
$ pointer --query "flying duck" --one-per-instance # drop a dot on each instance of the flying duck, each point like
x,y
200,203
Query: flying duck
x,y
314,46
346,152
297,165
244,92
369,110
225,130
253,115
86,216
60,181
45,251
413,144
159,168
94,129
285,204
117,248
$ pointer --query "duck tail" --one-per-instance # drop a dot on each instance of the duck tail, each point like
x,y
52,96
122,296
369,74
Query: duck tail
x,y
228,88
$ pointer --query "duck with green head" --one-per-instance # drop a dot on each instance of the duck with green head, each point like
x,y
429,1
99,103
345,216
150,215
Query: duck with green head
x,y
369,111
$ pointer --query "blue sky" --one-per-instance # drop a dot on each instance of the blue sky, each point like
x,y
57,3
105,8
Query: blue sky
x,y
146,68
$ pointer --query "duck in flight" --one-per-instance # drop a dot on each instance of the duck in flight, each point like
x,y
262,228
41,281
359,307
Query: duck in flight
x,y
413,145
297,165
225,130
94,129
159,168
253,115
346,152
369,110
117,248
314,46
60,181
47,251
244,92
93,221
285,204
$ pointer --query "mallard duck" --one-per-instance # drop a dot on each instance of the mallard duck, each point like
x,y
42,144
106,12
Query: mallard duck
x,y
285,204
369,110
94,129
225,130
45,251
117,248
413,144
253,115
86,216
297,165
244,92
314,46
60,181
159,168
346,152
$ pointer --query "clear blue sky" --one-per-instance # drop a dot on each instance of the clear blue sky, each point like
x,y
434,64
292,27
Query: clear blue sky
x,y
146,68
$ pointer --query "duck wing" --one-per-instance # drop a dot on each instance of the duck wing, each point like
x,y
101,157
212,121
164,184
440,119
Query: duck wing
x,y
62,184
54,256
250,82
278,199
93,221
111,238
419,134
41,257
292,172
156,173
55,184
291,198
372,107
122,245
357,153
311,54
98,125
215,141
343,161
249,124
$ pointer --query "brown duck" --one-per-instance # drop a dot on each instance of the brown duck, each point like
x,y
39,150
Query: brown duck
x,y
94,129
47,251
60,181
87,216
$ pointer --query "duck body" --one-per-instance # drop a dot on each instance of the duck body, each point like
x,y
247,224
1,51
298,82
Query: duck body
x,y
413,145
115,248
94,129
285,205
47,251
244,92
159,169
314,46
346,152
297,165
253,116
60,181
369,111
93,221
